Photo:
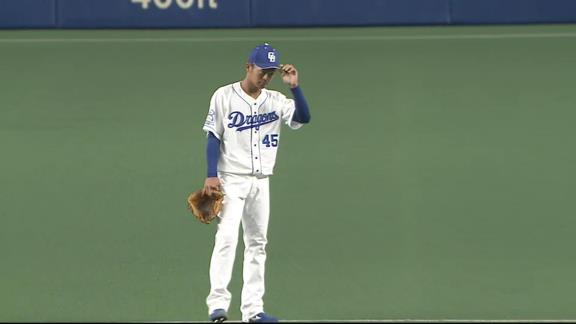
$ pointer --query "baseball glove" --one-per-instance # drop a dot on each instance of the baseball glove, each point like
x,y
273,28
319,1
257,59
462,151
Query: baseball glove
x,y
205,207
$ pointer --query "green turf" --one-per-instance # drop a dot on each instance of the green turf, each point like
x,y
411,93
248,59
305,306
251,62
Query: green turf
x,y
435,181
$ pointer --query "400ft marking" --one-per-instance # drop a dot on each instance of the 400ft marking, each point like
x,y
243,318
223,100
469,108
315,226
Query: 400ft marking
x,y
182,4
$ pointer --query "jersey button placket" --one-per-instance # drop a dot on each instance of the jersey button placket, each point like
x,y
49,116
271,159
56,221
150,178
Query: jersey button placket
x,y
256,140
256,150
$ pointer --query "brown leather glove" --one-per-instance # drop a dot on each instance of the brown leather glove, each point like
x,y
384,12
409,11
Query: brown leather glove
x,y
205,207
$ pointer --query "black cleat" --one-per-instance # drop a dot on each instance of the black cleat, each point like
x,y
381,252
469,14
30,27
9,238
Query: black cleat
x,y
263,318
218,316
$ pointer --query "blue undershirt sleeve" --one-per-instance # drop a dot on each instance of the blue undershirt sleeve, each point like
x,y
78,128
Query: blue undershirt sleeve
x,y
212,155
302,113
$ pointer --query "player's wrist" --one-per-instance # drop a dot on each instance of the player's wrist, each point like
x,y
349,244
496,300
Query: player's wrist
x,y
295,89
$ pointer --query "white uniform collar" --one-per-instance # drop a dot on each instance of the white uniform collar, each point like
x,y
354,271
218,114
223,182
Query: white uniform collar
x,y
261,98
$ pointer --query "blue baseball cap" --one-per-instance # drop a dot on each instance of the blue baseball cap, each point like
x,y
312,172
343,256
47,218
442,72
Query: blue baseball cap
x,y
265,56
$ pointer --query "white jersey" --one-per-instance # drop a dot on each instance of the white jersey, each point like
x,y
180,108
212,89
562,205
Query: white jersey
x,y
248,128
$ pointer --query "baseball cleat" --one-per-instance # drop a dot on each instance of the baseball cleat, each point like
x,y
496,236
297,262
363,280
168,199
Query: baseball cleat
x,y
218,316
262,318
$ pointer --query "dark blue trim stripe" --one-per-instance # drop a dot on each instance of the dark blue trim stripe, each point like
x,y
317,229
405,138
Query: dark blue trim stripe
x,y
239,129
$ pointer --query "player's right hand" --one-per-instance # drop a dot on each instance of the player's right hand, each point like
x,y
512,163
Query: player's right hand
x,y
211,184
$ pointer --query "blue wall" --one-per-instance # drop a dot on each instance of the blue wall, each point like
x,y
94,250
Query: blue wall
x,y
27,13
357,12
513,11
260,13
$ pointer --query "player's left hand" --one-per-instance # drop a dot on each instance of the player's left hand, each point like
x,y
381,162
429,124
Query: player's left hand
x,y
289,75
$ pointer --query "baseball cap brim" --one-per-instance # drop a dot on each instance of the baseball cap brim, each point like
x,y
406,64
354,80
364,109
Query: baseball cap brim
x,y
267,66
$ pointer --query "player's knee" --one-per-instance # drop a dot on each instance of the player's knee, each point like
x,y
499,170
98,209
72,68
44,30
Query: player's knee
x,y
228,239
256,242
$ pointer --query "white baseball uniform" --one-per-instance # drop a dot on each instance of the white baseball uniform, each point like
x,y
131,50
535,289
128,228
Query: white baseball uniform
x,y
249,134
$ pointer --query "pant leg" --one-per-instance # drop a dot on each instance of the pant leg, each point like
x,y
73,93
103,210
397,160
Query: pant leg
x,y
225,243
255,225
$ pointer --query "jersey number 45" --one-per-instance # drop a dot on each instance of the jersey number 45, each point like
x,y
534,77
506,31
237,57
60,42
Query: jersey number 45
x,y
270,140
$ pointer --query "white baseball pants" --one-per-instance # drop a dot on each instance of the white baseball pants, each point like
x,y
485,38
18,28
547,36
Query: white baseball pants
x,y
246,200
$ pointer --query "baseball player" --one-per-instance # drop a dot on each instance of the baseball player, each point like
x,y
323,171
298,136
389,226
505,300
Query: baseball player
x,y
243,130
